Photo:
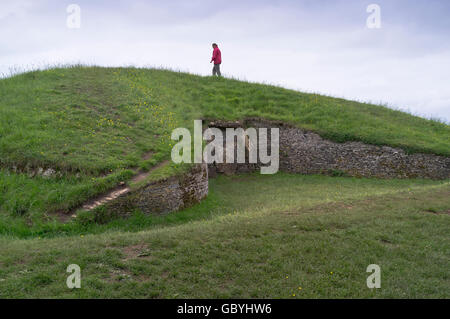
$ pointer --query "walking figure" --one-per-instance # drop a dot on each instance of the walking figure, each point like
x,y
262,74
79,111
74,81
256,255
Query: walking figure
x,y
217,59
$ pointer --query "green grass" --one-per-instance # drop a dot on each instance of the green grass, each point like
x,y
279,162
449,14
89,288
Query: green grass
x,y
253,236
258,237
78,120
92,122
95,119
27,203
226,195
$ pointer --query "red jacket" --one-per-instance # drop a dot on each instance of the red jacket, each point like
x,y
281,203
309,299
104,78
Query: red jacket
x,y
217,56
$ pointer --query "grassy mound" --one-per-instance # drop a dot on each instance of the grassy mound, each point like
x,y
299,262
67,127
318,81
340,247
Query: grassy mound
x,y
101,119
264,236
96,126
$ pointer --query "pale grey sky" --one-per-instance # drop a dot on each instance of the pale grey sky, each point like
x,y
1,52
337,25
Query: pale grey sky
x,y
313,46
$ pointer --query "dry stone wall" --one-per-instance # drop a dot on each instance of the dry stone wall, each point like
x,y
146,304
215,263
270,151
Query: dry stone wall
x,y
167,195
306,152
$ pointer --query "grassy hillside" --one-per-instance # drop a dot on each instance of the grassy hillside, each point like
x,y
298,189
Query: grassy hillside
x,y
96,120
97,126
279,236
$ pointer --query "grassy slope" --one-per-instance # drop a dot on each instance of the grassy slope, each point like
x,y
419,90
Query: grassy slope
x,y
337,119
79,119
96,121
314,232
248,235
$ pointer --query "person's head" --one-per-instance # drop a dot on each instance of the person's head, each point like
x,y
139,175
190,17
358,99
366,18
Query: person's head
x,y
214,45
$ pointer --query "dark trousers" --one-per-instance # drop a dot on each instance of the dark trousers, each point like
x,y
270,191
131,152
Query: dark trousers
x,y
216,70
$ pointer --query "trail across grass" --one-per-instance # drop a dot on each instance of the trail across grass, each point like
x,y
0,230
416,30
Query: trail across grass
x,y
310,236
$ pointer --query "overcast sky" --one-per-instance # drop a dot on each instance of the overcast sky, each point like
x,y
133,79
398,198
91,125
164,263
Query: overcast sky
x,y
322,46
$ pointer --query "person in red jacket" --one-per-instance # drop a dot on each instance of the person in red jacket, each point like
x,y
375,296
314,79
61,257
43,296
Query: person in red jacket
x,y
217,59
